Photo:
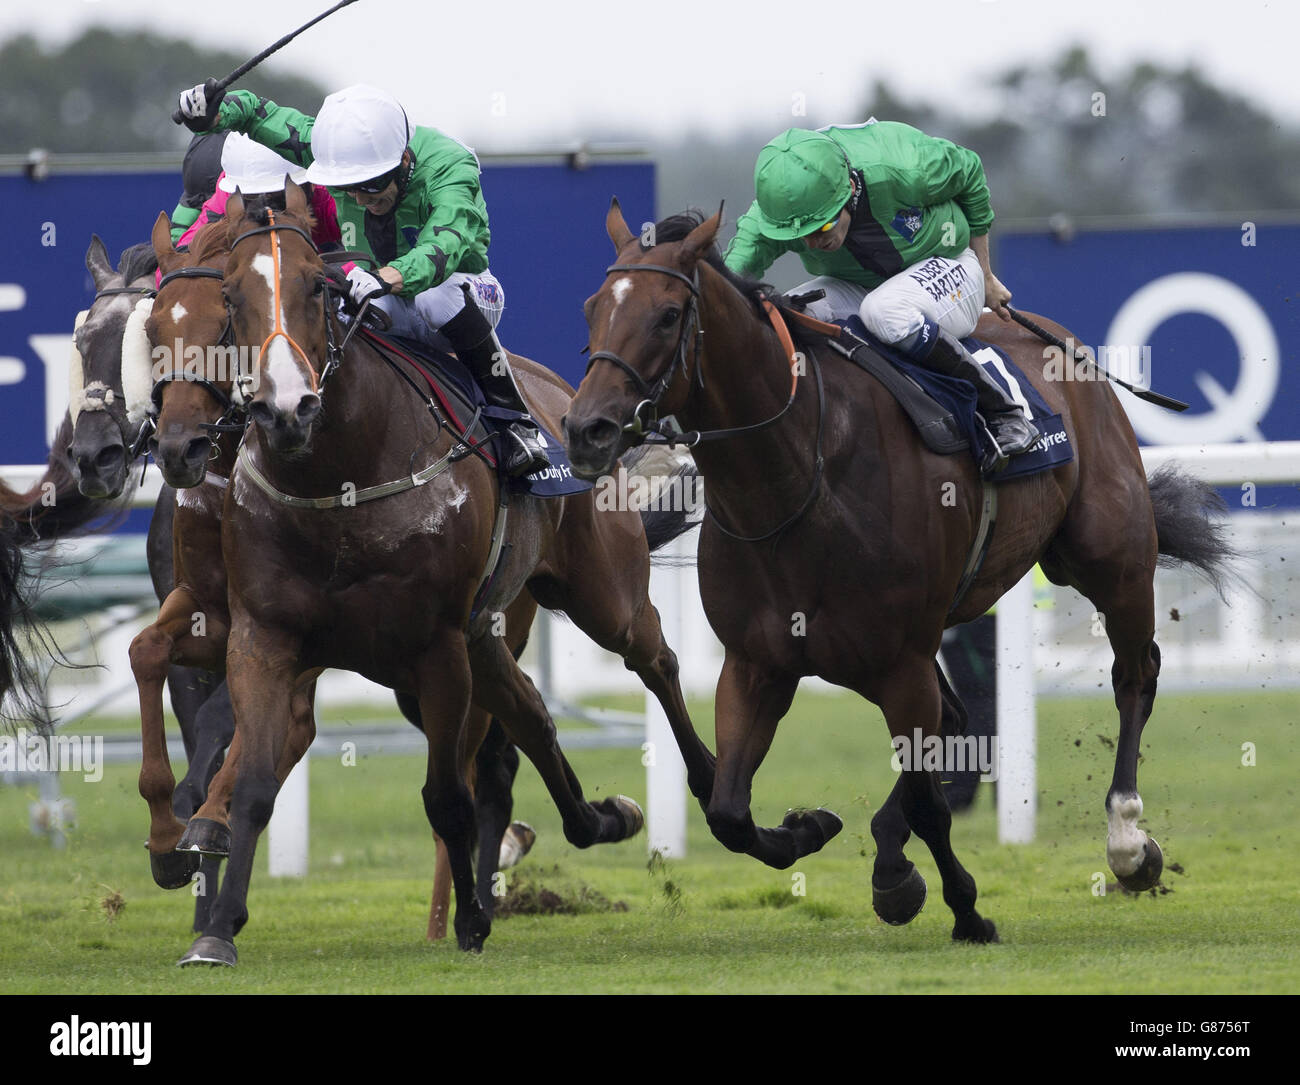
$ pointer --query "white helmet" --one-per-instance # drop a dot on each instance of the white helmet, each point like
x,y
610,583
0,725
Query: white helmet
x,y
359,134
252,168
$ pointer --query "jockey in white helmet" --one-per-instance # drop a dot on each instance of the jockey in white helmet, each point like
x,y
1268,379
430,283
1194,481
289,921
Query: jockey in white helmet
x,y
410,196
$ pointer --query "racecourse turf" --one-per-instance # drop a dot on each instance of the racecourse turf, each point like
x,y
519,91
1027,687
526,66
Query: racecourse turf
x,y
88,919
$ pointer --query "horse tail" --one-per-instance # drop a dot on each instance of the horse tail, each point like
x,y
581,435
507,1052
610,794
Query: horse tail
x,y
669,513
55,507
1188,525
22,637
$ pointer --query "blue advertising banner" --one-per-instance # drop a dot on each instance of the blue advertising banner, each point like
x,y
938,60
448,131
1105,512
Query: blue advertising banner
x,y
549,250
1208,315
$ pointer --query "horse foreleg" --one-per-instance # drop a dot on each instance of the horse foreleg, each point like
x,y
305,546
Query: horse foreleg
x,y
212,729
445,682
268,703
507,693
151,654
911,701
751,701
613,608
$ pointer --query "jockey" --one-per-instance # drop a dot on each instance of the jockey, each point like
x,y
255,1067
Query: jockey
x,y
199,173
412,196
252,170
894,224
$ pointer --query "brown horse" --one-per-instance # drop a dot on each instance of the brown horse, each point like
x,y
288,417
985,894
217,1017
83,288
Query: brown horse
x,y
829,549
322,576
195,442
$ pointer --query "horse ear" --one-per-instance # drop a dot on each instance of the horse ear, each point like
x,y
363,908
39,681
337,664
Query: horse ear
x,y
234,213
295,199
616,226
97,262
163,249
701,239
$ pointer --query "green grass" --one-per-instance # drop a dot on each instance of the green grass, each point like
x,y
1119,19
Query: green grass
x,y
714,922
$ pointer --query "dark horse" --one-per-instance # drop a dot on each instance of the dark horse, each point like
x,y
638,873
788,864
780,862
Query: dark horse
x,y
834,511
198,425
322,576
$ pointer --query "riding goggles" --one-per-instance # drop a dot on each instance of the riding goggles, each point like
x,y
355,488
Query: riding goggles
x,y
374,186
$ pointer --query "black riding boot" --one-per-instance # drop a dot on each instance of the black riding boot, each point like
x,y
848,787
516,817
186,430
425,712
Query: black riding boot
x,y
1010,427
477,346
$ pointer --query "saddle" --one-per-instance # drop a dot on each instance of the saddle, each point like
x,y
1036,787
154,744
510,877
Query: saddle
x,y
476,422
942,408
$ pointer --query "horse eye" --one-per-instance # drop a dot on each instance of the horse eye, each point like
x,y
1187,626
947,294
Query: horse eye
x,y
670,318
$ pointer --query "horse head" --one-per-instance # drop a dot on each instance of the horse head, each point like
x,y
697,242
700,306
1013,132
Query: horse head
x,y
644,342
106,407
193,367
276,289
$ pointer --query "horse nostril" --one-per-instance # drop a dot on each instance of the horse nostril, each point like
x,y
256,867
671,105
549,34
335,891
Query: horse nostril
x,y
308,409
197,450
600,433
110,456
262,414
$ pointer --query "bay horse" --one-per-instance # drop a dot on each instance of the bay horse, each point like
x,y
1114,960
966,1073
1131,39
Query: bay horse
x,y
828,547
196,432
412,589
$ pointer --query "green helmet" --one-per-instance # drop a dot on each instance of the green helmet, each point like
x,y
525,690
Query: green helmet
x,y
801,181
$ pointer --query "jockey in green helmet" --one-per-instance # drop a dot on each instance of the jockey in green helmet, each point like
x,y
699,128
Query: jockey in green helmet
x,y
894,224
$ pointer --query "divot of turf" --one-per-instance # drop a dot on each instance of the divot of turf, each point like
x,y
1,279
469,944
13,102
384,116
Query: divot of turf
x,y
552,892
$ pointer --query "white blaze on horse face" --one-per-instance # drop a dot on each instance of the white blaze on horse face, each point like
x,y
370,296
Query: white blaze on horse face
x,y
1125,842
620,289
179,313
287,384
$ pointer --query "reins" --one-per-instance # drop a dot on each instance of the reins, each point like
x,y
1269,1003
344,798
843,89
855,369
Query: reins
x,y
653,430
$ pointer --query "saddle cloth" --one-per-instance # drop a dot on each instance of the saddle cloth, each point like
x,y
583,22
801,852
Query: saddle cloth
x,y
943,408
460,396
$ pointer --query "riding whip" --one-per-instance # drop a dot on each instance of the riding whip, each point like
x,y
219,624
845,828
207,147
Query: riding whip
x,y
1079,356
248,66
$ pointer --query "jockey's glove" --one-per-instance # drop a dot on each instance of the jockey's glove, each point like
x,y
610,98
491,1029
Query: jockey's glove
x,y
363,285
199,105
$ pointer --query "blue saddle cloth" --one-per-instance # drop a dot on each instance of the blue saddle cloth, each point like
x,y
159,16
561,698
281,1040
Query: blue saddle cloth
x,y
556,481
958,398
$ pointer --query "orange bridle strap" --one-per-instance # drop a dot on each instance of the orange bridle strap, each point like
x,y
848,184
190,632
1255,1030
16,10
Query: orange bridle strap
x,y
787,344
277,328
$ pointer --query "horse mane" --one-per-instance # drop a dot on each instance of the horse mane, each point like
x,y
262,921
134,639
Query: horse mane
x,y
210,242
137,261
259,208
677,227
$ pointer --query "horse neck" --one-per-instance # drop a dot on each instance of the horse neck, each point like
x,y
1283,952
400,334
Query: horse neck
x,y
746,376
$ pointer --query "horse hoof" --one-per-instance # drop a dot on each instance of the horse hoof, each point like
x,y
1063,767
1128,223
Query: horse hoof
x,y
210,951
629,815
515,844
471,936
206,836
1147,876
974,928
816,827
902,903
173,869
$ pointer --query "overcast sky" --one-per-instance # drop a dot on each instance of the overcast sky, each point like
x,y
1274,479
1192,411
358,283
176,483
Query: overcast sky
x,y
510,74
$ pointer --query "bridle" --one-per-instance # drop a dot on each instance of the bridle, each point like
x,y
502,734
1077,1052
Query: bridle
x,y
647,428
231,403
97,396
645,419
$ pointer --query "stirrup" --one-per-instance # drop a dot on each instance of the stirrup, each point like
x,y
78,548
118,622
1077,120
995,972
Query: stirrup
x,y
523,451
